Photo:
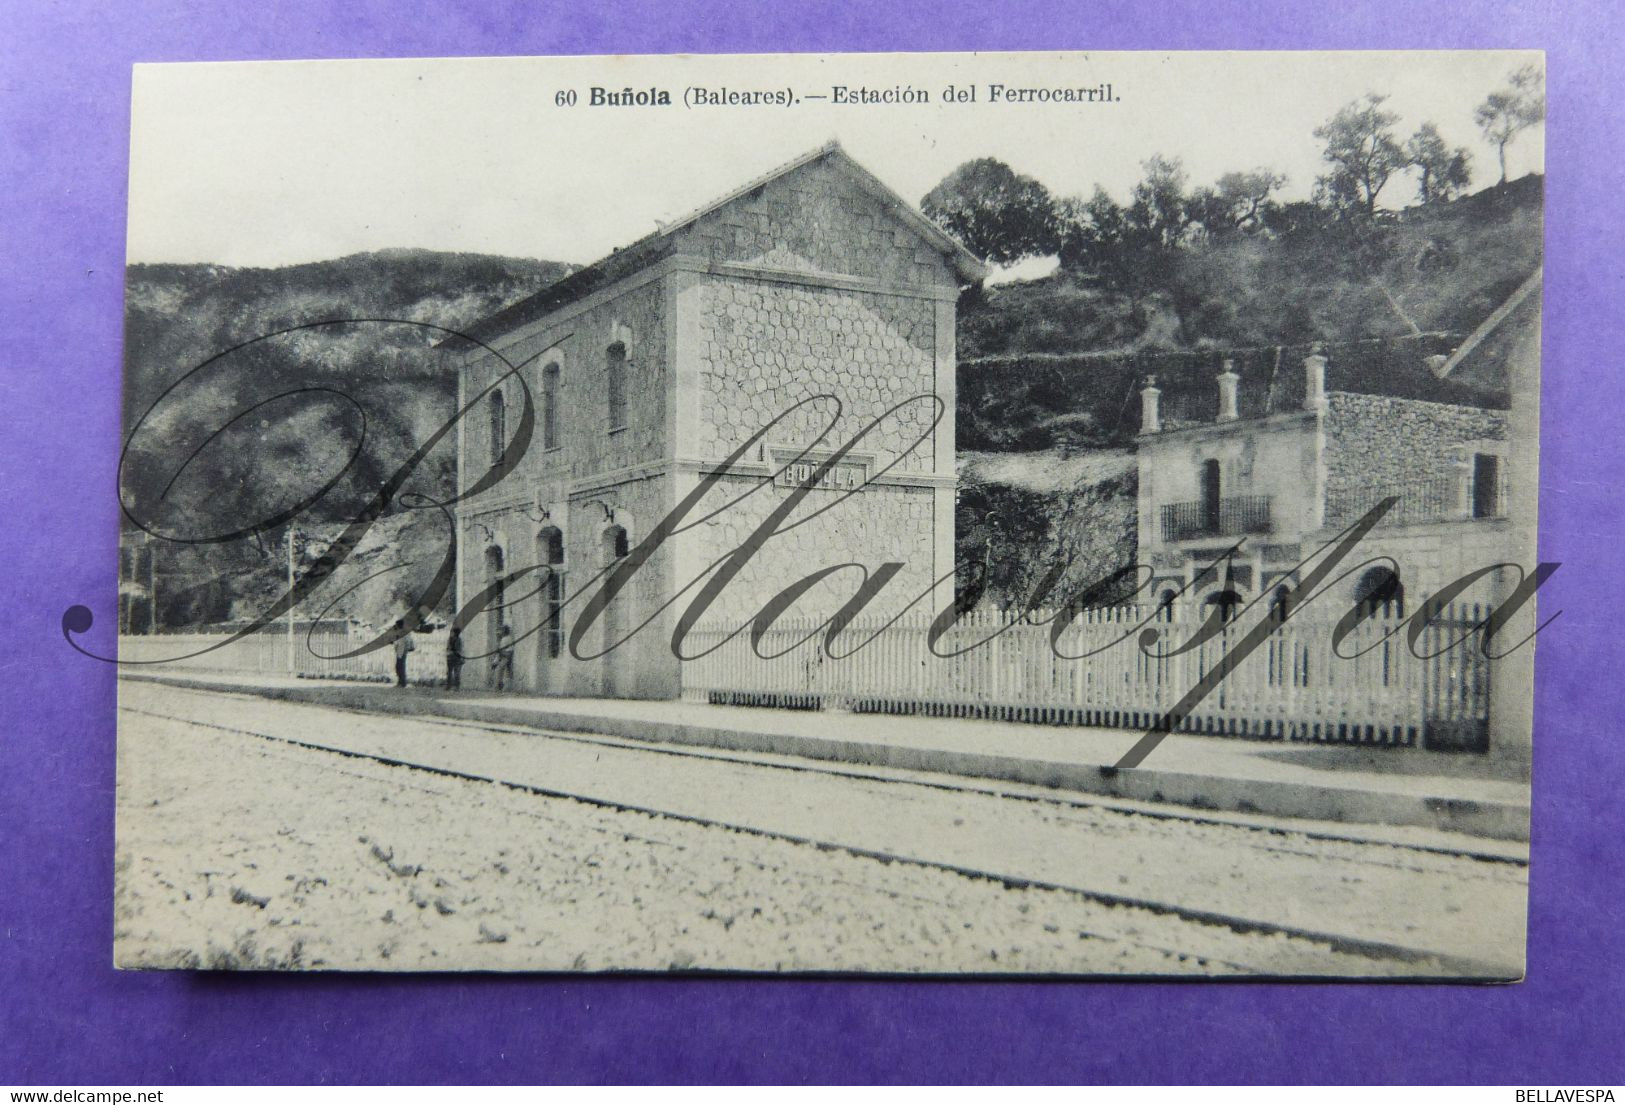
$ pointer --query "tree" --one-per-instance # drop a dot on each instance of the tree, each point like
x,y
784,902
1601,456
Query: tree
x,y
1091,234
1123,247
1209,213
1363,152
1160,212
995,212
1239,201
1508,112
1293,219
1441,172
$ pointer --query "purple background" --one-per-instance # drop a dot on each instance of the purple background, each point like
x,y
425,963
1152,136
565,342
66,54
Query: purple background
x,y
66,1017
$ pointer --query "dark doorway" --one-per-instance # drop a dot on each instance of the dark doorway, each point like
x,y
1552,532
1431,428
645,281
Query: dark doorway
x,y
1228,604
615,548
1210,496
550,543
495,615
1380,592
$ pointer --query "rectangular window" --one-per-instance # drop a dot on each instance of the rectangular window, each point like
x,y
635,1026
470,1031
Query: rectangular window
x,y
1486,485
615,381
499,427
550,407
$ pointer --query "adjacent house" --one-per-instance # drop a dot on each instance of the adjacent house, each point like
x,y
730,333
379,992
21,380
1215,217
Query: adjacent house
x,y
1232,499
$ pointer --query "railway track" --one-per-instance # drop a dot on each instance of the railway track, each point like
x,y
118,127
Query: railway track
x,y
1277,839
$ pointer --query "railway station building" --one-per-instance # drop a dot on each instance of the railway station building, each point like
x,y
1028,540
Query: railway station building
x,y
813,290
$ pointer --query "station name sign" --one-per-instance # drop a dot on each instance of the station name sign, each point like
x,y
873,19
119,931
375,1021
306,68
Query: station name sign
x,y
839,477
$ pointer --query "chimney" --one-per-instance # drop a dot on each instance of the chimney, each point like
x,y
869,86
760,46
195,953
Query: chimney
x,y
1227,392
1150,416
1314,379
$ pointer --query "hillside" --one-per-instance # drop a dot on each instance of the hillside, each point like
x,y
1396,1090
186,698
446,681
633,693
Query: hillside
x,y
1051,369
1050,362
257,432
1048,377
175,316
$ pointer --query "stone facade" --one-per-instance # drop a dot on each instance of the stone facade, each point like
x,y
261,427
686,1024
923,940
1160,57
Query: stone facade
x,y
813,286
1379,440
766,345
1462,477
812,219
1283,485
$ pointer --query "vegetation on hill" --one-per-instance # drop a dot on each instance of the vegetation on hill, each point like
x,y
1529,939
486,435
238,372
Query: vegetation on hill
x,y
1438,267
1170,282
1181,278
243,433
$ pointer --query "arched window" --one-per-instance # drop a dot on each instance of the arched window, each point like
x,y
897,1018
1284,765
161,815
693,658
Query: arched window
x,y
550,407
1287,660
616,544
550,544
1380,592
615,382
1227,602
499,426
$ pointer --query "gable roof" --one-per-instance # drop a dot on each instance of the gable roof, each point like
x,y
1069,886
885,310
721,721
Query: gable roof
x,y
652,247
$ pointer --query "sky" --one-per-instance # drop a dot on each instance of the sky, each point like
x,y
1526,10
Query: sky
x,y
264,164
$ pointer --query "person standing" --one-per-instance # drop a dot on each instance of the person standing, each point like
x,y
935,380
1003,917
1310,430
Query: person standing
x,y
502,660
403,645
454,659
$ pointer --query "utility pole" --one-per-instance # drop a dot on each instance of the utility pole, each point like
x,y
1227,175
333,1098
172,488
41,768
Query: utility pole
x,y
152,588
290,608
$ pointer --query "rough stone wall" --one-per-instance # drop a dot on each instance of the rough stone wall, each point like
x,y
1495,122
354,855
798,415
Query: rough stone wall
x,y
873,526
817,219
578,346
1378,440
766,346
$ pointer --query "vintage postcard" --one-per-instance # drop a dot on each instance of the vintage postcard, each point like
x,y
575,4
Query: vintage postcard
x,y
1041,514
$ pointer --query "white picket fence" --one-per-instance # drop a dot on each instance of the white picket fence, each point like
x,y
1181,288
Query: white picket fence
x,y
314,655
1001,665
1292,687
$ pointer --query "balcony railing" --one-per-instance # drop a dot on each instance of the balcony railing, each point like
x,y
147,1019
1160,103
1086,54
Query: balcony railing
x,y
1452,497
1232,516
